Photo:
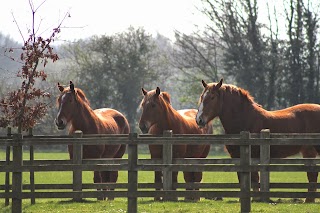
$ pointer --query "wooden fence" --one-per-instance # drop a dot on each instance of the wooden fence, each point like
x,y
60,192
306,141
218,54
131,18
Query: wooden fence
x,y
133,190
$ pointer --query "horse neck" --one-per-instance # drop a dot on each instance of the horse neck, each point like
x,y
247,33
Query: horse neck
x,y
171,118
84,119
237,114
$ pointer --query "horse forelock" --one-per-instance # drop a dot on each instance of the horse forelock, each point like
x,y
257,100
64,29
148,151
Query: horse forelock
x,y
147,98
209,87
150,97
79,93
163,100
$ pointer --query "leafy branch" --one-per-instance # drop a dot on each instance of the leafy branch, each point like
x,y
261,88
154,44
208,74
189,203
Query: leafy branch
x,y
22,108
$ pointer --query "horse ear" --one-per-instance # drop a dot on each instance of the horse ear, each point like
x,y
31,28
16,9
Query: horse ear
x,y
220,83
204,84
157,91
144,92
61,88
71,86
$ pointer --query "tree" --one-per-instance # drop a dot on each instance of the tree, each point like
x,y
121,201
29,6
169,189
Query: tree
x,y
295,51
239,35
8,63
311,24
277,71
302,44
23,107
112,69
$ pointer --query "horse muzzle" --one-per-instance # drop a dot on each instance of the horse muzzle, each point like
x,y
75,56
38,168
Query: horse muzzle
x,y
60,124
143,129
200,121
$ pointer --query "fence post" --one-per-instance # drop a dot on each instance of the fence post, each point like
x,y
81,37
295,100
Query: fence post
x,y
32,187
245,177
7,178
17,176
77,160
132,173
167,159
265,160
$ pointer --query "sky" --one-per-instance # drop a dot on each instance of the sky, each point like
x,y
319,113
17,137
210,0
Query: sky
x,y
99,17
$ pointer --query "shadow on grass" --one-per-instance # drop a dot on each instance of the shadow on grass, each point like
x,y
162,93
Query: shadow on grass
x,y
294,200
151,201
82,201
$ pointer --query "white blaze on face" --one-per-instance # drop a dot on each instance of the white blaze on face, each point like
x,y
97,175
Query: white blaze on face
x,y
200,111
62,100
59,116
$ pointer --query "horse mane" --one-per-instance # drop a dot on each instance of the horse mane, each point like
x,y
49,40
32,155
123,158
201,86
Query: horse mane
x,y
82,96
242,93
166,97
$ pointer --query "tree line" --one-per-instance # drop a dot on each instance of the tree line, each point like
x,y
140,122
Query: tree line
x,y
278,69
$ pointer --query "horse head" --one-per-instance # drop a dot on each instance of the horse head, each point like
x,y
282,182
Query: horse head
x,y
210,103
66,103
152,108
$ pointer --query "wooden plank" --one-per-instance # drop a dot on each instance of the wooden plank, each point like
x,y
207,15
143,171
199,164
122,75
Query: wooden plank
x,y
254,161
31,150
7,162
132,174
160,167
107,161
167,173
17,176
7,177
245,177
265,160
32,189
66,167
153,185
312,140
77,159
148,193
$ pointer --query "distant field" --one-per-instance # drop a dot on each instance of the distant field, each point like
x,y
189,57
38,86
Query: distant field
x,y
147,204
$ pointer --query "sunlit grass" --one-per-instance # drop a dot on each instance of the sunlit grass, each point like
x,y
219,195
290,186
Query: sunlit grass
x,y
149,206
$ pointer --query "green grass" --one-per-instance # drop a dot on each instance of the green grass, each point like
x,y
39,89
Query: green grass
x,y
147,204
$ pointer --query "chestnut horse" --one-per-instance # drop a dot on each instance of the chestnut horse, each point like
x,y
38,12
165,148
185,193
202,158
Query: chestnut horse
x,y
158,115
75,111
238,112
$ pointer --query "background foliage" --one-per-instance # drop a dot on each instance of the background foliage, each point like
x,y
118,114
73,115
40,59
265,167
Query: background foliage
x,y
278,64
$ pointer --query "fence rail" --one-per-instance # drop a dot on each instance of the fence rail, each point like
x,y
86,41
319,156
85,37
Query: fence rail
x,y
133,165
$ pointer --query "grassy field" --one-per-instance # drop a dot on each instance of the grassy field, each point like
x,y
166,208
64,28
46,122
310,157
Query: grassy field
x,y
147,204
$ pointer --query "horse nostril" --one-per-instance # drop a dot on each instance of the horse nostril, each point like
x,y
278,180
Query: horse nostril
x,y
200,122
58,123
143,128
